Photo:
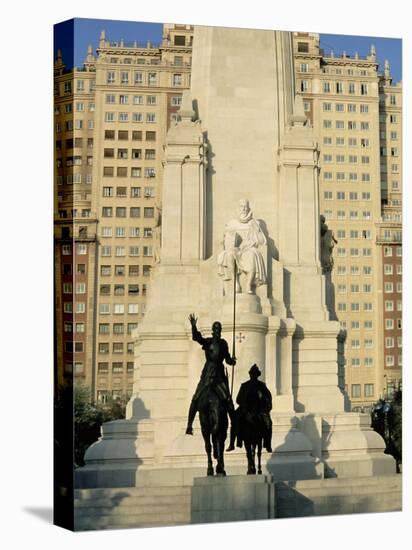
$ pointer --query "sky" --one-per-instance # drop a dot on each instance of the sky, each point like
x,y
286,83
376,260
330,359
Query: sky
x,y
87,31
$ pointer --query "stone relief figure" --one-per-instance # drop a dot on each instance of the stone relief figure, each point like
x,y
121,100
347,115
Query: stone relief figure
x,y
327,243
241,241
157,232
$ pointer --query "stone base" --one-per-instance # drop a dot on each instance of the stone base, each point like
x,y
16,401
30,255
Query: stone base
x,y
134,454
232,498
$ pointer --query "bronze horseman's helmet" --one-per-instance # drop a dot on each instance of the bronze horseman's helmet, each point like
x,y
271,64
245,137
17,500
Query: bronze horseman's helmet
x,y
254,371
217,328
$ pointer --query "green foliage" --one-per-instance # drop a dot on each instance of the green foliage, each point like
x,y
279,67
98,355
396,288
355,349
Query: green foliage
x,y
387,421
86,417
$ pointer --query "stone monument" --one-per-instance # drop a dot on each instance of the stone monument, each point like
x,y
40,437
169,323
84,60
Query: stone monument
x,y
243,151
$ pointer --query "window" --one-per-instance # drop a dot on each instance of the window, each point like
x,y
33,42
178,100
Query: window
x,y
339,88
389,324
119,270
341,214
136,173
389,361
364,108
368,361
80,288
369,390
351,87
389,342
109,116
118,309
327,141
133,309
327,195
368,343
364,125
351,124
353,196
134,251
152,79
356,390
326,87
341,306
355,362
388,287
341,269
327,175
353,142
120,232
355,307
135,212
389,305
327,106
364,89
146,270
327,124
102,368
340,124
120,251
121,172
352,107
80,307
123,117
106,251
107,211
134,270
105,270
82,249
340,158
339,107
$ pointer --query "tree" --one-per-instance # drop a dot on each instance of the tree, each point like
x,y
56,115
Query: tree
x,y
85,417
387,421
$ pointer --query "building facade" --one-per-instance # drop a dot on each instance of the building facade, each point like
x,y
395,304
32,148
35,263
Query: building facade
x,y
111,119
352,110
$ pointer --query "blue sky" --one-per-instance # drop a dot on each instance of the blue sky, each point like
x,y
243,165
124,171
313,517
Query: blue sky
x,y
87,31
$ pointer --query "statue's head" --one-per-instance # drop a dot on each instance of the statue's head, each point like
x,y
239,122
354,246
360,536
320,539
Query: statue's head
x,y
217,329
244,212
243,206
254,372
322,218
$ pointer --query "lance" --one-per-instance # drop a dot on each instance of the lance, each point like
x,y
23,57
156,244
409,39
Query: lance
x,y
234,320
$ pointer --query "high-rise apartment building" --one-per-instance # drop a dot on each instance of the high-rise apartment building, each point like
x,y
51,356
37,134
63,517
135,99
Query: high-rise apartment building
x,y
355,118
111,119
389,230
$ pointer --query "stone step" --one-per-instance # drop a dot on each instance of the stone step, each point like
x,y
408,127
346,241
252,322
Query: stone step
x,y
83,494
338,491
348,482
131,509
143,519
141,500
307,505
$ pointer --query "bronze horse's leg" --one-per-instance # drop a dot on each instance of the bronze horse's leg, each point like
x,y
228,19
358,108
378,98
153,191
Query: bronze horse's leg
x,y
250,453
220,446
259,455
208,448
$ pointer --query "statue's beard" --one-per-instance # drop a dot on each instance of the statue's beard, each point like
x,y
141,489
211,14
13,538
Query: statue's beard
x,y
244,218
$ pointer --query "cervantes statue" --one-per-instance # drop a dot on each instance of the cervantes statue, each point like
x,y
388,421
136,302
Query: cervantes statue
x,y
241,241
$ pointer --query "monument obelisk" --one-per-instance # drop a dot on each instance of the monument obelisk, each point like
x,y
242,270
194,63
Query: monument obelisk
x,y
243,141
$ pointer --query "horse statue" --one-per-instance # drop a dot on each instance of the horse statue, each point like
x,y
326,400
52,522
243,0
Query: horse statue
x,y
214,423
212,396
253,426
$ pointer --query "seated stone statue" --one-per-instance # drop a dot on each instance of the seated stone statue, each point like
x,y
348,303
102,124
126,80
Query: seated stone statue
x,y
213,374
242,238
